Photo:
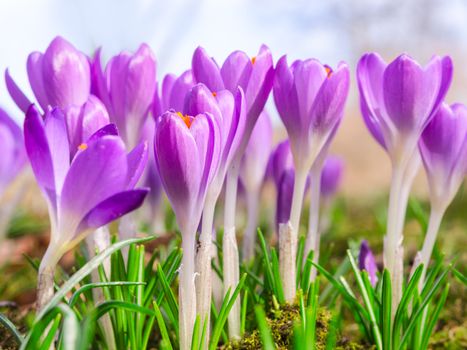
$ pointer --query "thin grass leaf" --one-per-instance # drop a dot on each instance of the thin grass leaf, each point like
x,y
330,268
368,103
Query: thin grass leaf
x,y
74,298
70,329
385,314
169,295
428,329
165,342
367,301
279,292
264,331
460,276
11,328
243,312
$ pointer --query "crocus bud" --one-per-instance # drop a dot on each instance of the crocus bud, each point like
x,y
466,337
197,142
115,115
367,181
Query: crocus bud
x,y
61,76
367,262
13,156
443,147
127,88
284,197
173,92
310,98
253,75
257,154
84,121
398,100
187,155
331,176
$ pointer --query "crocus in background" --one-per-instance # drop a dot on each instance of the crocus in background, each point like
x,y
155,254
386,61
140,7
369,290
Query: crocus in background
x,y
367,262
331,177
443,147
255,76
172,93
310,99
60,77
126,87
12,162
397,101
83,193
252,172
187,157
228,112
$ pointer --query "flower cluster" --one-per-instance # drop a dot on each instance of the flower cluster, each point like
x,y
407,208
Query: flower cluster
x,y
94,133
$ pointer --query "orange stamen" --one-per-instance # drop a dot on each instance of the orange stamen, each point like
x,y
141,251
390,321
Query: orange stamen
x,y
186,119
253,60
83,147
214,93
328,71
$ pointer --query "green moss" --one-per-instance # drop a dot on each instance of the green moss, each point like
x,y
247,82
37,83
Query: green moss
x,y
281,322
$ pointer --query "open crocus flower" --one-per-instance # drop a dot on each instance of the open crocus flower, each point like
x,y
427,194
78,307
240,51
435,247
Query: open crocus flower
x,y
83,193
367,262
397,101
443,147
172,93
12,162
310,98
126,88
60,77
187,156
252,172
254,76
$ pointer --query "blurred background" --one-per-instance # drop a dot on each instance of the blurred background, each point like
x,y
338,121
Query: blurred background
x,y
328,30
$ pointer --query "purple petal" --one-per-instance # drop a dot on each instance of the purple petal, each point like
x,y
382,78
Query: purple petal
x,y
16,94
236,70
112,208
282,160
331,175
137,160
96,173
206,71
37,148
34,67
284,197
66,74
179,90
57,138
367,262
108,130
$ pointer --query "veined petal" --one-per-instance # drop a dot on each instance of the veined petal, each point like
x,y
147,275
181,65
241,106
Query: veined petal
x,y
96,173
112,208
35,75
179,90
236,70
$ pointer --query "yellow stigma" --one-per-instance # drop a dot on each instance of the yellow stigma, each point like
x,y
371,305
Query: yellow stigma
x,y
253,60
214,93
83,146
186,119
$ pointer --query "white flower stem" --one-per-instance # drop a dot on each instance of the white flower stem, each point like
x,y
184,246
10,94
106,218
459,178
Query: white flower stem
x,y
313,236
45,277
393,238
287,256
249,237
98,241
288,243
203,266
424,256
230,248
186,290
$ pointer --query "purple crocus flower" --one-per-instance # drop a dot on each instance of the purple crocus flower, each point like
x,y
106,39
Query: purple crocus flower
x,y
331,176
398,100
252,173
443,147
13,156
60,77
367,262
127,88
187,156
172,94
84,193
281,160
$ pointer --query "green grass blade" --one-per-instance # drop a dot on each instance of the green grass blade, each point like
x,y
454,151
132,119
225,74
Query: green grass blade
x,y
11,328
165,342
265,332
386,310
